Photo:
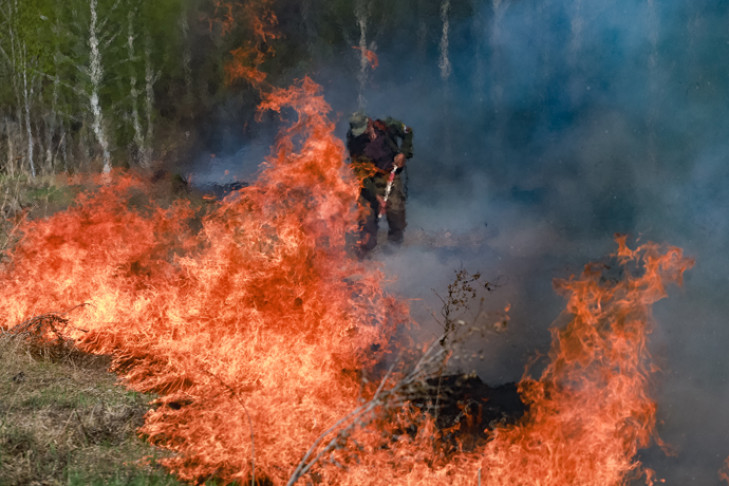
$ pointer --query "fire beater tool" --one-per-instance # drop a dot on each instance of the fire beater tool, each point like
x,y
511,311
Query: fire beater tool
x,y
388,188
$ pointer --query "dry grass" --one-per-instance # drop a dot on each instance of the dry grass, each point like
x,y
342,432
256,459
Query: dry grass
x,y
65,420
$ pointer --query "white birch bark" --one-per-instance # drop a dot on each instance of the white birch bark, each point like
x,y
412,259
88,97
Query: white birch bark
x,y
444,63
53,126
478,79
497,90
96,74
14,136
27,94
11,134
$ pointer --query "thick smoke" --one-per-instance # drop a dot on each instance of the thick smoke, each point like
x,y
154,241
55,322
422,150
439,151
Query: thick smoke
x,y
561,123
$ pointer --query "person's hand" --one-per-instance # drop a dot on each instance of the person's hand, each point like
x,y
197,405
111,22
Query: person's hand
x,y
400,161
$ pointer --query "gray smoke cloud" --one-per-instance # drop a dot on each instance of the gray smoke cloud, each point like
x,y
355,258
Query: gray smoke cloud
x,y
563,123
560,124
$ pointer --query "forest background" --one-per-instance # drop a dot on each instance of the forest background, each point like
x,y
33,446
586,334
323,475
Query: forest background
x,y
88,85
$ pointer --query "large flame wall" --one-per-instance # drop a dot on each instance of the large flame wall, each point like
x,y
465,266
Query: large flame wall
x,y
254,326
251,322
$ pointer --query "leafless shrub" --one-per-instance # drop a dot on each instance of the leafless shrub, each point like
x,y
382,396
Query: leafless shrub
x,y
423,386
45,336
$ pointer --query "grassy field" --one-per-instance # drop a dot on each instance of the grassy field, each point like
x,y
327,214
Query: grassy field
x,y
65,420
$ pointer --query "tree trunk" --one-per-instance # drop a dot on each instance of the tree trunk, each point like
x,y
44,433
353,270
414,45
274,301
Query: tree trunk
x,y
14,136
96,74
27,94
186,57
444,63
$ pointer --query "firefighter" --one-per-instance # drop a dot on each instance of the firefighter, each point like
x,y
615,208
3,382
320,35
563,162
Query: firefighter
x,y
378,150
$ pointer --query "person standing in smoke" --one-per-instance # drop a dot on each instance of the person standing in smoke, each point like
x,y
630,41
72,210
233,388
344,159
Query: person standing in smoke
x,y
378,150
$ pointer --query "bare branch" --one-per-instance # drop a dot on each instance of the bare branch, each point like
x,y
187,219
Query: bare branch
x,y
303,467
56,79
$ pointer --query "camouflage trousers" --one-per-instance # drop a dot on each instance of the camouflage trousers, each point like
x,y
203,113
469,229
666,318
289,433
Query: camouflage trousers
x,y
370,205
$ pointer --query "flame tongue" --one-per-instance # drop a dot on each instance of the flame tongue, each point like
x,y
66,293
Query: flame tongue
x,y
590,410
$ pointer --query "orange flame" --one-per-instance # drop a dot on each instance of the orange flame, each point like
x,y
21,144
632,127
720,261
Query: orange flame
x,y
590,410
369,55
253,329
224,17
724,472
254,332
256,329
245,64
260,20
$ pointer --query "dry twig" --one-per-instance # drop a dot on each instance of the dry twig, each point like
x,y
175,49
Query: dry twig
x,y
415,384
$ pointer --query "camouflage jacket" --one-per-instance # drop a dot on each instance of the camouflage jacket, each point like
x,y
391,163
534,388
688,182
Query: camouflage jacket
x,y
391,138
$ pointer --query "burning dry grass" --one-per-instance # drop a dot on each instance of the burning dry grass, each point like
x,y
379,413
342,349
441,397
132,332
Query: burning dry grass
x,y
265,340
22,196
65,419
250,322
267,357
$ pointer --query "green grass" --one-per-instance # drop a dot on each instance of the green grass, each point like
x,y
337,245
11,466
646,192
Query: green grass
x,y
65,420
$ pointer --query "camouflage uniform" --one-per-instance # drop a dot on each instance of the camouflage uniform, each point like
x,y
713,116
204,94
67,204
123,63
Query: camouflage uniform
x,y
373,160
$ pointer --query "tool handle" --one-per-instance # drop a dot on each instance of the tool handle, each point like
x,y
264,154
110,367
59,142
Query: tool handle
x,y
388,189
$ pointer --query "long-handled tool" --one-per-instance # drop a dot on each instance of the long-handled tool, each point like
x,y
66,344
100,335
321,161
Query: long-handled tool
x,y
388,188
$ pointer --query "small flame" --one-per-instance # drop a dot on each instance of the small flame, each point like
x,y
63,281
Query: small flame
x,y
260,20
724,471
369,55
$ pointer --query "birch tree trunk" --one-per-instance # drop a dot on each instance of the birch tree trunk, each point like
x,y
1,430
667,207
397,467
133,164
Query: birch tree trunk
x,y
11,132
14,134
56,123
444,64
27,95
478,29
186,56
96,74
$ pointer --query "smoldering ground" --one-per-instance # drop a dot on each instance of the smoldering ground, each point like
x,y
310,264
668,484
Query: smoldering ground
x,y
559,124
